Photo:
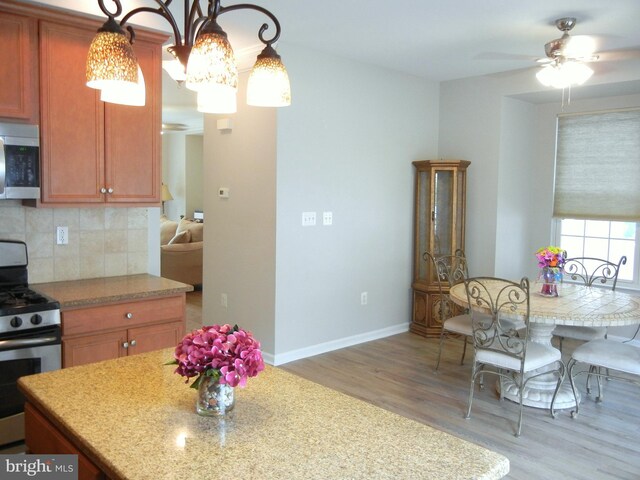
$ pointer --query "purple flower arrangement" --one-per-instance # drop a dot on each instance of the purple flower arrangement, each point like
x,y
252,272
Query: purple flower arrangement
x,y
551,257
229,354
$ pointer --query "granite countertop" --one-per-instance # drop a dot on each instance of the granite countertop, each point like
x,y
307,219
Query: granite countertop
x,y
135,419
95,291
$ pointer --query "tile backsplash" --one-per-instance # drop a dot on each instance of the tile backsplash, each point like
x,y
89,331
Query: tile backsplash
x,y
103,242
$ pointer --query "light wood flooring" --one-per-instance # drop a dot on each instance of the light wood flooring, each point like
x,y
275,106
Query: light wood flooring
x,y
396,373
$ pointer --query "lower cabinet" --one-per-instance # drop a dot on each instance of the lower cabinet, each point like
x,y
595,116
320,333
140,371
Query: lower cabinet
x,y
42,437
110,331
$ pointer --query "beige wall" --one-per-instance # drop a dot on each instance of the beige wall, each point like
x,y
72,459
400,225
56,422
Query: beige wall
x,y
103,242
193,174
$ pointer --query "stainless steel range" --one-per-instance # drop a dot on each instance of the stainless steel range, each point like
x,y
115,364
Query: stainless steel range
x,y
30,336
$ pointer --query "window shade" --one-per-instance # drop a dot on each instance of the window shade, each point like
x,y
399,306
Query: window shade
x,y
598,166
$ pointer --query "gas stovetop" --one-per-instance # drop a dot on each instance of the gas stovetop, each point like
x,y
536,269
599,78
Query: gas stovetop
x,y
21,308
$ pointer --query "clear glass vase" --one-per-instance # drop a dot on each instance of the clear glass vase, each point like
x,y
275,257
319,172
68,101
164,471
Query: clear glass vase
x,y
214,399
550,280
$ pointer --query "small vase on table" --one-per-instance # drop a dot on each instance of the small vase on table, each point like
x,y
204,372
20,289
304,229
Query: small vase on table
x,y
550,278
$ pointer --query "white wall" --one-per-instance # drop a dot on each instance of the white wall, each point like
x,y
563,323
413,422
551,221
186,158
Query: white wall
x,y
193,174
345,145
173,173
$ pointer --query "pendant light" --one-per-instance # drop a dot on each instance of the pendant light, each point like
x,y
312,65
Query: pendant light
x,y
204,51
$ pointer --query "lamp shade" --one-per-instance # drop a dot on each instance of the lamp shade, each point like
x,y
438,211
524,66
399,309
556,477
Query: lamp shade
x,y
268,84
111,60
166,194
132,94
211,61
564,75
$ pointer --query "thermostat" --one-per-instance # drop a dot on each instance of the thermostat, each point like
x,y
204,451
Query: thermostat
x,y
223,192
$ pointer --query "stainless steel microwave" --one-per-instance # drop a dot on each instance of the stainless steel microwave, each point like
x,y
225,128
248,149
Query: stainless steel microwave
x,y
19,161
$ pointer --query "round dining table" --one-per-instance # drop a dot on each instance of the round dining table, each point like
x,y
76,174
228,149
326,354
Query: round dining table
x,y
575,305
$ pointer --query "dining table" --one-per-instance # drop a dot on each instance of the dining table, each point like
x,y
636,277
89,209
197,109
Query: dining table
x,y
575,304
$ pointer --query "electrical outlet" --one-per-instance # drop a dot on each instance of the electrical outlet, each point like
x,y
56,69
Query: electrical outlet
x,y
364,298
223,300
62,235
327,218
308,219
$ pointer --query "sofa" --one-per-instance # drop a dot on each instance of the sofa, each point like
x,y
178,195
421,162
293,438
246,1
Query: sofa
x,y
181,245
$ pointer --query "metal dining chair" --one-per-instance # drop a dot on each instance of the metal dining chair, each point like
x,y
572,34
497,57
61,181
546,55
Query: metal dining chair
x,y
590,271
499,349
449,271
603,354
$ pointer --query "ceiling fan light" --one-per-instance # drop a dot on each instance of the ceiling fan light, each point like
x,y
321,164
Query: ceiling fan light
x,y
547,75
211,61
268,84
576,73
217,99
132,94
111,60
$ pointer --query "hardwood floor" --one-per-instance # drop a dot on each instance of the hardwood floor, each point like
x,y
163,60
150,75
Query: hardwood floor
x,y
396,373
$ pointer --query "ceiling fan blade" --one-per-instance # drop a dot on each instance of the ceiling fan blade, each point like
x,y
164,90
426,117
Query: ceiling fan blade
x,y
620,55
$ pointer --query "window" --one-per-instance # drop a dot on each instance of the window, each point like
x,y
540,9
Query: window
x,y
602,239
596,194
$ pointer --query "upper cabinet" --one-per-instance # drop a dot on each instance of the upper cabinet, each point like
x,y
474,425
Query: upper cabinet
x,y
96,152
18,68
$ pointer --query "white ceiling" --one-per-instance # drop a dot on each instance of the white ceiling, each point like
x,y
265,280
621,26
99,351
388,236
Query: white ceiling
x,y
437,40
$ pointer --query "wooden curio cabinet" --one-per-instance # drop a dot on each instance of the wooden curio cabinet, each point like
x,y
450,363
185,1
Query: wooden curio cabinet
x,y
440,201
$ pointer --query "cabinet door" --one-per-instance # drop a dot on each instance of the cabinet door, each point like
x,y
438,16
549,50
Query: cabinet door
x,y
93,348
155,337
18,68
132,137
72,118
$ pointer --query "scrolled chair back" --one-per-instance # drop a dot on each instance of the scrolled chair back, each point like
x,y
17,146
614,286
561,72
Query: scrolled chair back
x,y
496,298
448,269
590,269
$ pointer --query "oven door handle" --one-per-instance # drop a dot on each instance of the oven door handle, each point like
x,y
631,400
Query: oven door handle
x,y
2,168
27,342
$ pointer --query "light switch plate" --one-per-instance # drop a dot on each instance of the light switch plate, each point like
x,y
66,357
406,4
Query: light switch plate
x,y
327,218
308,219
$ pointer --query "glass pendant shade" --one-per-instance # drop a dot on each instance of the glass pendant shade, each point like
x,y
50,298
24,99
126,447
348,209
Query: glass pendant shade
x,y
268,84
175,70
132,94
111,61
211,61
217,99
564,75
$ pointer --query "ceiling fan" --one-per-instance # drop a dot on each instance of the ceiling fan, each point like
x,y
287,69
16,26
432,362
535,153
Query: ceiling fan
x,y
565,64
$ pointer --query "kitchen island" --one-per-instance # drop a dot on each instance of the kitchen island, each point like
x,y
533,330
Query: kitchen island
x,y
133,418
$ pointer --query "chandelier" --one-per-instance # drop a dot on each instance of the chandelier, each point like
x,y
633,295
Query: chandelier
x,y
206,60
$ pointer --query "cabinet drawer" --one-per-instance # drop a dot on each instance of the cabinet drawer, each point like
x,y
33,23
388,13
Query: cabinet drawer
x,y
122,315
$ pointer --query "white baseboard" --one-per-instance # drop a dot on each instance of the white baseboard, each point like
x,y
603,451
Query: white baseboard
x,y
325,347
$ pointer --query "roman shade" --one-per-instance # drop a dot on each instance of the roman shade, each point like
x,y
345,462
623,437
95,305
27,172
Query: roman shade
x,y
597,173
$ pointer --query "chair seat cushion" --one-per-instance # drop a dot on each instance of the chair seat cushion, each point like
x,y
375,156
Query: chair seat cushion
x,y
609,354
537,356
579,333
462,324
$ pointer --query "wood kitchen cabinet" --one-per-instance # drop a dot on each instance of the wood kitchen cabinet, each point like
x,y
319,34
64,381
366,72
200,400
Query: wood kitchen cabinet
x,y
104,332
94,152
18,68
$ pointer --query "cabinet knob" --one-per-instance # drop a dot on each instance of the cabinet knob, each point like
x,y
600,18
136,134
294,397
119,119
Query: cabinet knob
x,y
125,345
129,315
109,190
133,343
103,190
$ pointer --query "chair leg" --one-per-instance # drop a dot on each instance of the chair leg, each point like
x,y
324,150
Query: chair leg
x,y
561,375
572,363
473,383
600,396
464,350
442,335
520,394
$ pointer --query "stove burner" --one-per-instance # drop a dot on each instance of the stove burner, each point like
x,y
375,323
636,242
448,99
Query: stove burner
x,y
20,296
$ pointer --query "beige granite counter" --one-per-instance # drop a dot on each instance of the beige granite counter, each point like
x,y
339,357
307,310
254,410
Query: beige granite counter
x,y
95,291
135,419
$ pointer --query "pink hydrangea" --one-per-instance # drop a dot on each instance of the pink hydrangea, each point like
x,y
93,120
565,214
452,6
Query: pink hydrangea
x,y
232,353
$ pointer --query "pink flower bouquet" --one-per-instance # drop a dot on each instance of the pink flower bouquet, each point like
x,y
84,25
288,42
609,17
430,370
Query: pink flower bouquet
x,y
229,354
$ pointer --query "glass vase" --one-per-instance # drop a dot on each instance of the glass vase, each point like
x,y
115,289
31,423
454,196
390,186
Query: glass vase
x,y
550,279
214,399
